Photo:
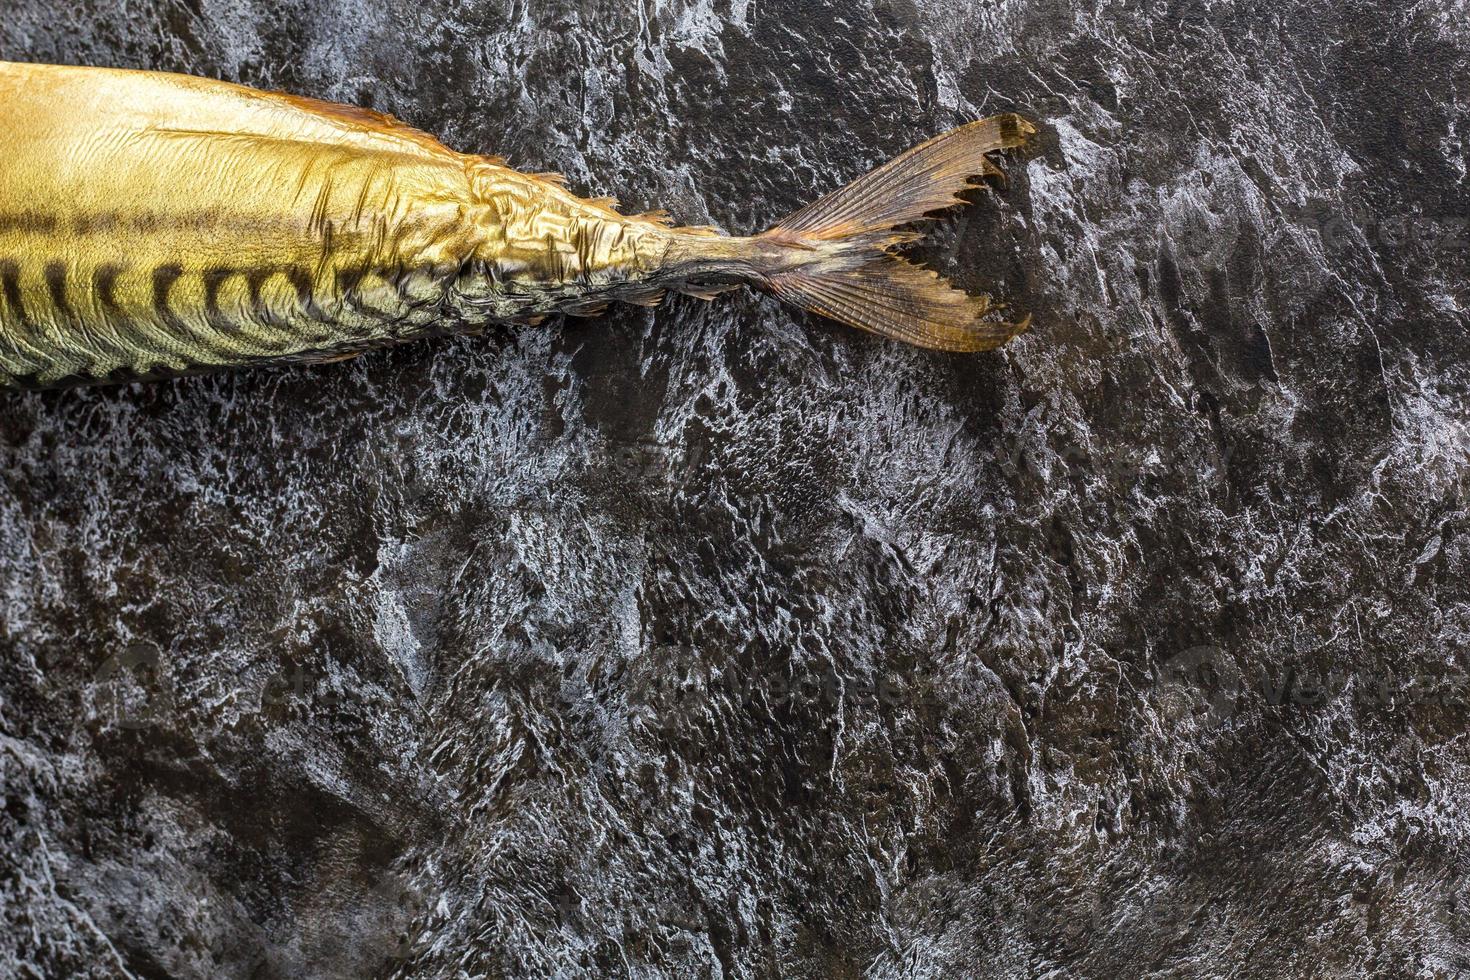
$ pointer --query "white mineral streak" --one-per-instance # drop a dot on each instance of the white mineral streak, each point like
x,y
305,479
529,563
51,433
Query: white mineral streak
x,y
717,641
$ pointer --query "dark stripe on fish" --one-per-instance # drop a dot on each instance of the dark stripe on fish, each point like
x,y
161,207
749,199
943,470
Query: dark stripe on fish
x,y
28,221
95,343
214,281
104,285
255,280
163,279
294,331
10,287
302,282
55,274
16,336
349,284
108,222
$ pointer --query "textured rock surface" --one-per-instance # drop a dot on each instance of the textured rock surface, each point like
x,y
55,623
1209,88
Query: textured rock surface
x,y
716,641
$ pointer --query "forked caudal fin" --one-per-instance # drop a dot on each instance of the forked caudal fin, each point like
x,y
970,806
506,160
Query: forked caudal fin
x,y
834,257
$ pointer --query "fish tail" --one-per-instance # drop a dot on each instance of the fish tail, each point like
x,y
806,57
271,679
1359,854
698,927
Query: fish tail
x,y
835,256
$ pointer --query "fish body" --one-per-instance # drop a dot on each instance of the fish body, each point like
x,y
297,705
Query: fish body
x,y
153,225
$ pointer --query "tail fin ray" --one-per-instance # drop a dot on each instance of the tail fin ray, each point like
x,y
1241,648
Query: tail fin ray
x,y
840,264
894,298
905,189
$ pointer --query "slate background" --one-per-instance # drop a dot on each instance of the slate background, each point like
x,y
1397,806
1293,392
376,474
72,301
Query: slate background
x,y
716,640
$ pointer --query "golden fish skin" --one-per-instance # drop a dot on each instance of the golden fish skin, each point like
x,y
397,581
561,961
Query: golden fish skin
x,y
154,225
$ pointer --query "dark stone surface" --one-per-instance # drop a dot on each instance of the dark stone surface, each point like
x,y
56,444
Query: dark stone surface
x,y
719,641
